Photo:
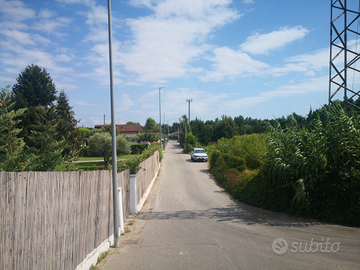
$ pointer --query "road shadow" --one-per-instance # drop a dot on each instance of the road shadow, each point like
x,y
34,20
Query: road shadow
x,y
233,214
189,160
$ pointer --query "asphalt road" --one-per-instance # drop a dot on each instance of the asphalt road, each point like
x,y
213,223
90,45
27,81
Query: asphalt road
x,y
189,222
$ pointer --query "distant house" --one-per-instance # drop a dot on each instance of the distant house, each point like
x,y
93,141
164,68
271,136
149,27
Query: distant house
x,y
84,142
127,130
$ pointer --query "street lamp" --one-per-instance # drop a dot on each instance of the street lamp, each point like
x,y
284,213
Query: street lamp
x,y
160,114
189,100
113,138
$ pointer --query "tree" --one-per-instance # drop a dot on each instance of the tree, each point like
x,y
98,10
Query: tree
x,y
202,132
35,91
100,145
45,150
133,123
225,128
42,152
147,137
190,142
87,133
34,88
67,123
122,145
174,127
11,146
150,124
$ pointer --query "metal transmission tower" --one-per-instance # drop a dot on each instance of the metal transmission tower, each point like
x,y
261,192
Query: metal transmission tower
x,y
344,36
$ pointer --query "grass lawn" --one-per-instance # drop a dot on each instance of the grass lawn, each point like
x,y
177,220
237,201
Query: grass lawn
x,y
87,165
99,158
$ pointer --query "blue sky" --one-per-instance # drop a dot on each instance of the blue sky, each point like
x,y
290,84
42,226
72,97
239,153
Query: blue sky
x,y
256,58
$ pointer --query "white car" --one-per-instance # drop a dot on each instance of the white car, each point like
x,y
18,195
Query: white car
x,y
199,154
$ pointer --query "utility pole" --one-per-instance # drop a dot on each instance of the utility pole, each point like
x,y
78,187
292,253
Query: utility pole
x,y
160,114
189,100
113,139
164,125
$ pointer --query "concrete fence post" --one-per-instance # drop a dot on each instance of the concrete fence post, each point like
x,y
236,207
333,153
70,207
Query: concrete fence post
x,y
121,211
133,194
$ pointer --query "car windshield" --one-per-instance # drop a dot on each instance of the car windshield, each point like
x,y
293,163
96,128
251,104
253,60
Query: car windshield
x,y
199,151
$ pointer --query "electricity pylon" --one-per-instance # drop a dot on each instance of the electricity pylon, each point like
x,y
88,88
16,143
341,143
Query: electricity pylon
x,y
344,75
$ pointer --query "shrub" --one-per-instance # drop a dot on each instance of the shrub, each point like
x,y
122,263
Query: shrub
x,y
313,170
133,163
85,151
138,148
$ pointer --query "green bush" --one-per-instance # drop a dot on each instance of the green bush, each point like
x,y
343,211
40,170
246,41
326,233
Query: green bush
x,y
235,162
133,163
138,148
240,152
84,151
232,160
312,171
173,137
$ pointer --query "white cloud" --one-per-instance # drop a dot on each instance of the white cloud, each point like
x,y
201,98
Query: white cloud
x,y
63,58
52,26
174,102
161,45
313,85
164,43
93,120
306,63
84,103
125,103
228,63
18,36
46,14
97,15
262,44
84,2
21,57
13,25
41,40
16,10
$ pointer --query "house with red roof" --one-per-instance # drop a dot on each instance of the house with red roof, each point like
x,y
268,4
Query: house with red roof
x,y
127,130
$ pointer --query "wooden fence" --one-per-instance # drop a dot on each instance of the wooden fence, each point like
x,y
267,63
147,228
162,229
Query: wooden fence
x,y
148,169
53,220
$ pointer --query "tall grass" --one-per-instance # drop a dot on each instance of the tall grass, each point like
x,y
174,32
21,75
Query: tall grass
x,y
232,160
297,158
312,170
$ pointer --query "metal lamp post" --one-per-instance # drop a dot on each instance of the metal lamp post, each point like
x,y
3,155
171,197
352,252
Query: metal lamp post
x,y
160,113
113,140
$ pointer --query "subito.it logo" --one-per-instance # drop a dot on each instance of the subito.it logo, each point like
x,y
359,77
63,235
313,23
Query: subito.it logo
x,y
280,246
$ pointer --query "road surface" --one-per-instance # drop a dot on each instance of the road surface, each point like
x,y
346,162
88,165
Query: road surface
x,y
189,222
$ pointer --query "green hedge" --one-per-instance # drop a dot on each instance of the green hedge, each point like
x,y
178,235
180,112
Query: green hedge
x,y
133,163
84,151
138,148
173,137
